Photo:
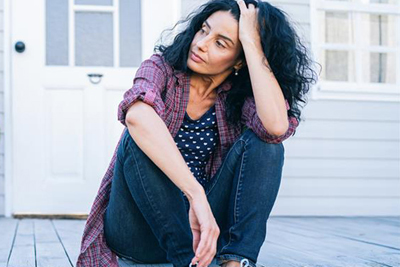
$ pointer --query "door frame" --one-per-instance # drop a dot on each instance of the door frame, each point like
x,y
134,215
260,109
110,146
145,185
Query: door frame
x,y
8,181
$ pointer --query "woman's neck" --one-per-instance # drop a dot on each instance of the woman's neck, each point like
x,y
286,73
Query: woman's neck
x,y
205,85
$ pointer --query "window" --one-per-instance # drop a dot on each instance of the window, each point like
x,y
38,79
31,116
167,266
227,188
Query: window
x,y
357,42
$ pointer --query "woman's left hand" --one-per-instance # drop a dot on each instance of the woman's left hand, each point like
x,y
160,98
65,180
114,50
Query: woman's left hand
x,y
248,23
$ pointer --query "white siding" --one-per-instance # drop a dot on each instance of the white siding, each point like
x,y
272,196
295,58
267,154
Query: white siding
x,y
343,160
345,156
2,207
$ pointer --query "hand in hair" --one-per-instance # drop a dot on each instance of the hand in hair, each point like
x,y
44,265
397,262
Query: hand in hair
x,y
248,23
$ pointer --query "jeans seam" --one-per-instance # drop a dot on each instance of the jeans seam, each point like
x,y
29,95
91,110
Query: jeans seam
x,y
148,198
219,173
122,144
235,205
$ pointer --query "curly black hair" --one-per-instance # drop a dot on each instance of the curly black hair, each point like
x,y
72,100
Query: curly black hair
x,y
286,55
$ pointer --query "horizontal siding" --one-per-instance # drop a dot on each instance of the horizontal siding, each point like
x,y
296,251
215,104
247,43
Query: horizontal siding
x,y
359,110
347,148
344,188
341,206
344,158
311,167
344,129
343,151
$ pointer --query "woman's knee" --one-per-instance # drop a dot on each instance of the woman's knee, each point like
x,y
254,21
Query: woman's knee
x,y
127,143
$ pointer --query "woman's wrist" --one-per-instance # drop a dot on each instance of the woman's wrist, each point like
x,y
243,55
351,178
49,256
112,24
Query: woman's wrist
x,y
194,192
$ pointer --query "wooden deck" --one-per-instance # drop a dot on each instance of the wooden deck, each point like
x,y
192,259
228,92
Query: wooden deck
x,y
291,242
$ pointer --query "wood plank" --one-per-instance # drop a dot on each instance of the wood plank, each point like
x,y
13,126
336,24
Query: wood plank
x,y
70,232
49,249
23,251
291,242
8,227
334,248
392,220
368,230
274,253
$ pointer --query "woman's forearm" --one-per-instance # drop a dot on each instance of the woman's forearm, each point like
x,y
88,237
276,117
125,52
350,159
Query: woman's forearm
x,y
152,136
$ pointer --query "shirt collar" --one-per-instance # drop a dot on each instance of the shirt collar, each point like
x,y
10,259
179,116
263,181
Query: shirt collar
x,y
181,76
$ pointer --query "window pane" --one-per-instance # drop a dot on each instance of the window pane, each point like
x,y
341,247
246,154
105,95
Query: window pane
x,y
94,2
335,27
93,39
57,32
130,33
380,67
379,29
337,65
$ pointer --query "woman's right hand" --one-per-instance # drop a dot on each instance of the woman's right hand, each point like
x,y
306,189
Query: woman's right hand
x,y
205,230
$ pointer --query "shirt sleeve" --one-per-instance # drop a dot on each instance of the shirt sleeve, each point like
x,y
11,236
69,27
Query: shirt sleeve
x,y
251,120
148,84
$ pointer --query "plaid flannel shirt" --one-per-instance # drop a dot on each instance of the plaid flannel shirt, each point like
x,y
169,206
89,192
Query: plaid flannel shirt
x,y
167,91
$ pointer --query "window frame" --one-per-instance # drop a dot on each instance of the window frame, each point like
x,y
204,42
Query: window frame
x,y
354,90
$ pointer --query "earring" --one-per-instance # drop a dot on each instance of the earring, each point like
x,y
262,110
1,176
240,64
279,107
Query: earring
x,y
237,72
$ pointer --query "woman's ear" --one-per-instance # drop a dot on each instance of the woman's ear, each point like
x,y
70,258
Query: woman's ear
x,y
240,64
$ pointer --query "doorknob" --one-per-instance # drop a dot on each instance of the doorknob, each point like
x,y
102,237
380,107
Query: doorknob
x,y
95,78
19,47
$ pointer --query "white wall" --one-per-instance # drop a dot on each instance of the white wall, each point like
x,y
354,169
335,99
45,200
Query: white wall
x,y
344,158
1,108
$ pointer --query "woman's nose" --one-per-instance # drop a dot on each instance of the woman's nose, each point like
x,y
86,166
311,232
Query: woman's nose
x,y
202,44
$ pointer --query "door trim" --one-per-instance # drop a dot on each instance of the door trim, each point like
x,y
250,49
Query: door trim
x,y
8,142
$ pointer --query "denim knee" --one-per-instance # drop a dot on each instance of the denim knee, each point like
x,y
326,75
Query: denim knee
x,y
253,142
126,141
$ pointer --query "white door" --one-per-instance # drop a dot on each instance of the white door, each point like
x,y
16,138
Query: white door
x,y
65,126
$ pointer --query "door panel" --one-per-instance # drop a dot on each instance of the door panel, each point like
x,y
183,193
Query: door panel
x,y
65,125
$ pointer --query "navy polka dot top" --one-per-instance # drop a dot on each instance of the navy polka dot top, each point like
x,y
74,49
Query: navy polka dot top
x,y
196,140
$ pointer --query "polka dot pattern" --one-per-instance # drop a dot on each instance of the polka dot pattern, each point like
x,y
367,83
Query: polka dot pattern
x,y
196,140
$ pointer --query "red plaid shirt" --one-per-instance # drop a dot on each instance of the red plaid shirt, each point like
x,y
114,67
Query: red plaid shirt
x,y
167,91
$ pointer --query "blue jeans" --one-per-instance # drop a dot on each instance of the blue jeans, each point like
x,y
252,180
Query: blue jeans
x,y
147,218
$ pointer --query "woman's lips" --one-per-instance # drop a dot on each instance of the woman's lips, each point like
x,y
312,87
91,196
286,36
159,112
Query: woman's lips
x,y
196,58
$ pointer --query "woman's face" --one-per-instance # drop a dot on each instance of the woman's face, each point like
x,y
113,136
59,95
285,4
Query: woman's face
x,y
217,44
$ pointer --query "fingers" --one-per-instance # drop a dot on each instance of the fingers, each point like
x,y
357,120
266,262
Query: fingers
x,y
207,247
242,6
206,232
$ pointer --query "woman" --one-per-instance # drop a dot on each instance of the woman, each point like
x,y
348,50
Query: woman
x,y
198,167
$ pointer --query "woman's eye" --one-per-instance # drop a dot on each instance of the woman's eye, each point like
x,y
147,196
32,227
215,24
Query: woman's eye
x,y
220,44
202,31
